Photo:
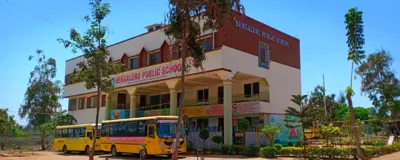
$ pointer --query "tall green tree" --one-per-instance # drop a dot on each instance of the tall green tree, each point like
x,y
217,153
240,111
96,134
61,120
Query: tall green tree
x,y
379,83
302,113
5,127
355,42
42,95
93,44
184,18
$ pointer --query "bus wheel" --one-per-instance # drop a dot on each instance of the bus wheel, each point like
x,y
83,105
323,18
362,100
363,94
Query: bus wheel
x,y
143,153
114,152
65,150
87,150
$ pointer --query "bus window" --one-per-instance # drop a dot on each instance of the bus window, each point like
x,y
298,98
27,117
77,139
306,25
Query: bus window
x,y
70,133
151,132
104,129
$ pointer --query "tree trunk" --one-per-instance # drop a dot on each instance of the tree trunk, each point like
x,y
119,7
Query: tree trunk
x,y
305,142
97,124
355,127
91,155
43,139
183,69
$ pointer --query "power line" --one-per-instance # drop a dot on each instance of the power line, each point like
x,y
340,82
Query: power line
x,y
35,15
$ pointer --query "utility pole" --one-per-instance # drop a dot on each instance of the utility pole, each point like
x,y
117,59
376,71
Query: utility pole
x,y
323,81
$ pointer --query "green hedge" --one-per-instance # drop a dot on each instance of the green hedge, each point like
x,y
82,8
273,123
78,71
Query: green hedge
x,y
250,151
339,153
268,152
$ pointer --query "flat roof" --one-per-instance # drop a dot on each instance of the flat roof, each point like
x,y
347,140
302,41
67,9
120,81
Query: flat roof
x,y
75,126
141,118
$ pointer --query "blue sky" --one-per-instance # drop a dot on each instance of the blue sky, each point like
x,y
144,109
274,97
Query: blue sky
x,y
318,24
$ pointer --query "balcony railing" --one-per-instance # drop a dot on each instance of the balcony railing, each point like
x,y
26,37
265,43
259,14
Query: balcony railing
x,y
237,98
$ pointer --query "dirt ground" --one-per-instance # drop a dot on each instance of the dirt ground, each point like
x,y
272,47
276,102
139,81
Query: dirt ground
x,y
47,155
75,156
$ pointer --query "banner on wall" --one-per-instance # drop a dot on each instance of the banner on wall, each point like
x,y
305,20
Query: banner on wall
x,y
287,135
246,107
119,113
156,112
204,111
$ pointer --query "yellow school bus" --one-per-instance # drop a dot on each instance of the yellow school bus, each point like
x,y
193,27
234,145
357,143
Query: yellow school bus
x,y
313,132
76,138
145,135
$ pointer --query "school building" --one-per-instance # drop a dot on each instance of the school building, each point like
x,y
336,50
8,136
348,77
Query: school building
x,y
251,71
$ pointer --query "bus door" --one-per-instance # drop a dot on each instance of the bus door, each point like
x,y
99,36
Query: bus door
x,y
89,137
151,137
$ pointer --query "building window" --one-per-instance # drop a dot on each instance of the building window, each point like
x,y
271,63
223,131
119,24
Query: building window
x,y
121,101
134,63
103,100
154,58
252,90
220,95
206,44
81,103
263,55
89,102
72,105
202,95
94,102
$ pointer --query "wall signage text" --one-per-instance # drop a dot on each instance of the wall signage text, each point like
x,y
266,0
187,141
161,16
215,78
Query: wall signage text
x,y
261,33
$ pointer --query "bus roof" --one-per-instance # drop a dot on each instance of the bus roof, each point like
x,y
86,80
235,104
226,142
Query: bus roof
x,y
75,126
141,118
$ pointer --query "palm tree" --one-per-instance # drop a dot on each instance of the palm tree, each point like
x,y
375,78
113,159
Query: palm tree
x,y
302,114
355,42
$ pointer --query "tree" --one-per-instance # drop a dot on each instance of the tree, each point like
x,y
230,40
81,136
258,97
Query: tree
x,y
302,114
243,126
269,132
204,135
95,72
341,113
330,132
355,42
59,119
42,94
360,113
184,18
379,83
5,127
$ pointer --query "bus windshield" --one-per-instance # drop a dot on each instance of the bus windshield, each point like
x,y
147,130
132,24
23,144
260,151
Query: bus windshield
x,y
167,130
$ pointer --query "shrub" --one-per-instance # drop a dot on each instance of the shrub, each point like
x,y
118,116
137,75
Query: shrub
x,y
225,149
290,144
217,139
250,151
232,149
239,148
268,152
278,146
203,134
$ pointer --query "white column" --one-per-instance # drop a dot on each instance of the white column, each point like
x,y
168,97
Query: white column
x,y
228,113
173,101
108,106
133,106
